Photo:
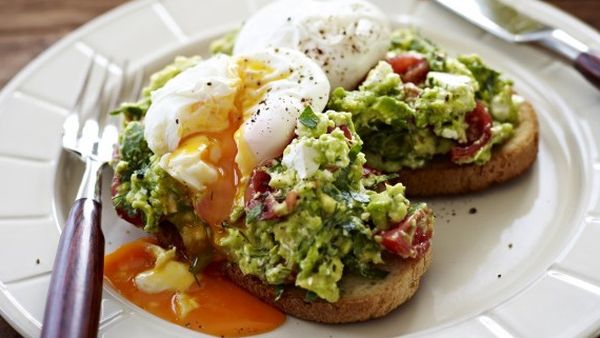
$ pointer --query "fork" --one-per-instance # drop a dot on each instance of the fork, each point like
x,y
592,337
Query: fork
x,y
73,302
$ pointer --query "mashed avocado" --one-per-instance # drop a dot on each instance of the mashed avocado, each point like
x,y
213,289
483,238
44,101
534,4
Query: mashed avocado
x,y
308,217
144,189
404,124
316,215
224,44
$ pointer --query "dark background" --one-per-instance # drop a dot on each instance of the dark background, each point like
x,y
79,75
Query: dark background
x,y
28,27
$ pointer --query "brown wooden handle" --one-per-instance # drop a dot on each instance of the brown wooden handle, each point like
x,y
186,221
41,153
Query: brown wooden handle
x,y
73,303
589,65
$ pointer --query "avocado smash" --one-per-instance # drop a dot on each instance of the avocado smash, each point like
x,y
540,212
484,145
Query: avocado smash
x,y
316,213
306,218
421,103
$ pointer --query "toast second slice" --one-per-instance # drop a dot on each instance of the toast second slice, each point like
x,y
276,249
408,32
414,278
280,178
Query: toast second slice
x,y
509,160
362,299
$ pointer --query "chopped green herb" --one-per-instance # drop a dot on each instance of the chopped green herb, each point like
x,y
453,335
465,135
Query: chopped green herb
x,y
279,291
310,297
350,224
254,213
200,262
133,111
308,118
372,273
365,270
354,151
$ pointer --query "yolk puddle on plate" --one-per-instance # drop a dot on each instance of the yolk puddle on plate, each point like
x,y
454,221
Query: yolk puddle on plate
x,y
224,309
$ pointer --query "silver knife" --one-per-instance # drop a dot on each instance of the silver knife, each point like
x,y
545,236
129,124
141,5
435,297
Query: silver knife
x,y
508,24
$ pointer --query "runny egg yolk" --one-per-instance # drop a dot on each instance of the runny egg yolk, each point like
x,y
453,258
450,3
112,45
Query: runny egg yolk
x,y
216,202
213,123
232,162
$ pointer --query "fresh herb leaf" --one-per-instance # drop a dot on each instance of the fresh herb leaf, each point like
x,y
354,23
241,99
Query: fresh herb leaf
x,y
332,220
200,262
340,194
360,197
389,177
310,297
134,151
373,273
336,193
118,200
365,270
276,166
279,291
350,224
253,214
308,118
373,180
133,111
414,207
354,151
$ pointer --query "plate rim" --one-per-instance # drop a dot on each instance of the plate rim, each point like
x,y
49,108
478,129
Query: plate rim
x,y
14,316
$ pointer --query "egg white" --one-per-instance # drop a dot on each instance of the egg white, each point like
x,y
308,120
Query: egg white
x,y
264,92
294,83
197,100
345,37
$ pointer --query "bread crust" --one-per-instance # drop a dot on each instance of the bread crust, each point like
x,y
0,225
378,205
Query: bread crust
x,y
511,159
362,299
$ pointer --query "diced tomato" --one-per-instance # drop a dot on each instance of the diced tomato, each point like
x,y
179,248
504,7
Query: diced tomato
x,y
421,241
412,68
259,193
368,171
291,199
344,128
396,241
399,241
259,183
346,131
479,133
266,201
479,121
268,212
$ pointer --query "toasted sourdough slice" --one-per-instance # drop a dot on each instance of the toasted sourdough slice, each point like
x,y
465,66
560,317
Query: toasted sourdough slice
x,y
511,159
361,299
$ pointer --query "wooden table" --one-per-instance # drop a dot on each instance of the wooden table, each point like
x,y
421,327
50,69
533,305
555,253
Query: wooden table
x,y
27,27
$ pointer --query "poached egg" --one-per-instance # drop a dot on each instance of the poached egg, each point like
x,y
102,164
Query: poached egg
x,y
345,37
215,122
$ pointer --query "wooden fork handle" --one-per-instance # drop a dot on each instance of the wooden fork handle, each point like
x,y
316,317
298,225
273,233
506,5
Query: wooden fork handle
x,y
73,303
589,65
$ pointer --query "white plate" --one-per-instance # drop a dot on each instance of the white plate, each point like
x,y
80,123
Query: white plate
x,y
526,264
